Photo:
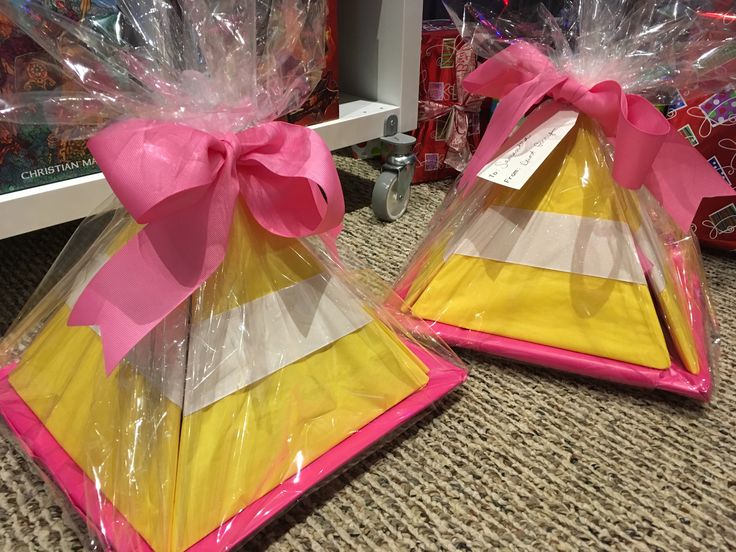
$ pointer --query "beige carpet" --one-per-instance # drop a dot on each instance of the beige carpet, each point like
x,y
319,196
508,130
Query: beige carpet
x,y
518,458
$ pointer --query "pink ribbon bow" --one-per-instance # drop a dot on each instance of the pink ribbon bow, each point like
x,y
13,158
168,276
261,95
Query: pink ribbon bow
x,y
184,184
648,151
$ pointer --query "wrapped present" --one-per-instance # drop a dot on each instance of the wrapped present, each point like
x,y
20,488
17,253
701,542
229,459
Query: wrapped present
x,y
449,117
323,104
202,364
708,122
566,242
35,154
704,112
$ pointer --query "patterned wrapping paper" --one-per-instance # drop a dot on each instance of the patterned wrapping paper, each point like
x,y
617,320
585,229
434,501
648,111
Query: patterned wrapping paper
x,y
704,112
32,155
324,102
449,117
708,121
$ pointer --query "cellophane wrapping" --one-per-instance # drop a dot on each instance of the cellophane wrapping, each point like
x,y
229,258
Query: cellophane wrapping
x,y
276,372
573,271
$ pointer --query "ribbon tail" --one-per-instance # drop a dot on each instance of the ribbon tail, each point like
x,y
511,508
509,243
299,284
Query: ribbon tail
x,y
109,302
153,273
681,178
510,110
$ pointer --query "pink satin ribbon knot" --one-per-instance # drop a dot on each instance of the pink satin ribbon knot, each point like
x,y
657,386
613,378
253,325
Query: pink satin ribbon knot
x,y
648,151
184,185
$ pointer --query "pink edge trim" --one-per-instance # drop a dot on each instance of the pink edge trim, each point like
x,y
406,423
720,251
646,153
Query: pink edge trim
x,y
41,445
676,379
38,442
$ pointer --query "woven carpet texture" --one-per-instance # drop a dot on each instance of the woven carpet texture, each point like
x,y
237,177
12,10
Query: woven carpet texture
x,y
519,458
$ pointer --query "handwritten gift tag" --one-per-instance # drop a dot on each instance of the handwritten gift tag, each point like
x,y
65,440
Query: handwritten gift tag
x,y
518,163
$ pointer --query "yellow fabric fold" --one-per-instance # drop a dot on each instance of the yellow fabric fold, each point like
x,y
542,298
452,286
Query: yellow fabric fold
x,y
574,180
241,447
281,423
570,311
119,429
680,329
256,263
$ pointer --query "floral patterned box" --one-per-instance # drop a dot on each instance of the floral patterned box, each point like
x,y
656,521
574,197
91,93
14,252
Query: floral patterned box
x,y
32,155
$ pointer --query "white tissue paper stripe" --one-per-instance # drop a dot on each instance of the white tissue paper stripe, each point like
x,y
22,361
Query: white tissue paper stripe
x,y
229,351
237,348
567,243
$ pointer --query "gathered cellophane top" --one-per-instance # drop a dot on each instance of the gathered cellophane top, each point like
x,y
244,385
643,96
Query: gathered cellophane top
x,y
275,372
221,67
649,48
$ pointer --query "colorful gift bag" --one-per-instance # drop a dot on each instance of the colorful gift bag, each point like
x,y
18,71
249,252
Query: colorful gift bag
x,y
199,367
708,122
559,248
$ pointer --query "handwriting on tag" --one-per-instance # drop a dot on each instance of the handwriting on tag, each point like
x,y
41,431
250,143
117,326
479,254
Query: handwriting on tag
x,y
517,164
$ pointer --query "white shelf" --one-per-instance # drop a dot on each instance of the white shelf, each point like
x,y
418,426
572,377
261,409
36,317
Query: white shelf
x,y
379,60
360,120
49,204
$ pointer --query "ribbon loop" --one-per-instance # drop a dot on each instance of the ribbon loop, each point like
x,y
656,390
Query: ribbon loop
x,y
647,151
144,165
296,193
184,185
639,138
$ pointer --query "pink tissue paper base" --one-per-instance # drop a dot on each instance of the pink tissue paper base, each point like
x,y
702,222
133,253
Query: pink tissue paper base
x,y
38,442
675,379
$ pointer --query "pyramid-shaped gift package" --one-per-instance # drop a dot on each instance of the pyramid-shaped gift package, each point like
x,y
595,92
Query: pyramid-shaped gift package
x,y
569,272
273,375
566,241
190,366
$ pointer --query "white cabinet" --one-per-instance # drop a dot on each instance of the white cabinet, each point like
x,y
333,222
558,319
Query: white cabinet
x,y
379,77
